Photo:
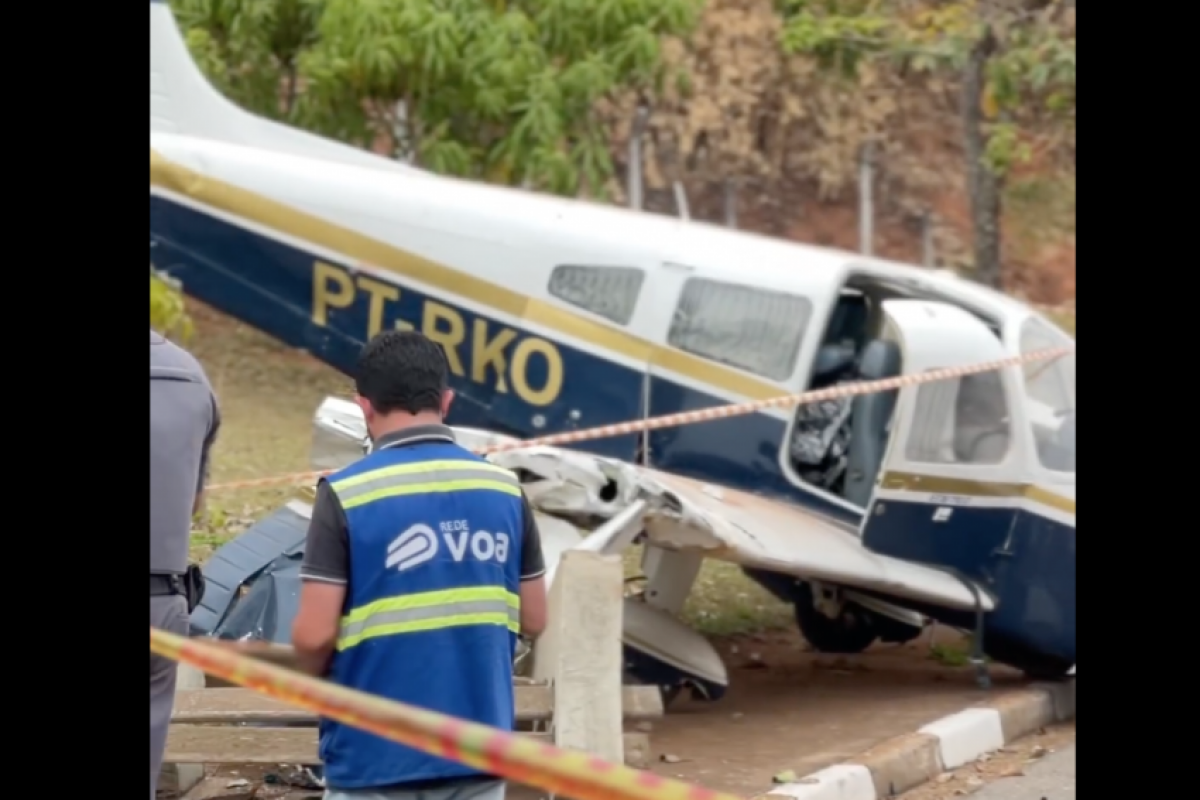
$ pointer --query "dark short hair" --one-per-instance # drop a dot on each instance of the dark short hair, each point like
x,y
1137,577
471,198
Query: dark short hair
x,y
402,371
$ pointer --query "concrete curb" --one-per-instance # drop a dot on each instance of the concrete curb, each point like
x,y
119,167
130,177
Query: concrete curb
x,y
908,761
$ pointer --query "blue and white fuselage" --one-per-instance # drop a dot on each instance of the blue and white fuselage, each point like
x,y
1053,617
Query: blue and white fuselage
x,y
557,315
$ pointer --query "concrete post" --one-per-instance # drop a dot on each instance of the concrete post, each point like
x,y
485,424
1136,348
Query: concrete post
x,y
580,652
182,777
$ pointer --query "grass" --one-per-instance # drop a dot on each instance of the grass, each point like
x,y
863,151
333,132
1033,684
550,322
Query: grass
x,y
268,394
1046,206
950,655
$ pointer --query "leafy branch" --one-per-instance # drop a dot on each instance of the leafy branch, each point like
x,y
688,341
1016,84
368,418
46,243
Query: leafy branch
x,y
1033,65
499,90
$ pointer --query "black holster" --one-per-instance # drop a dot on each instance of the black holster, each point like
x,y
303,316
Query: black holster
x,y
189,586
193,587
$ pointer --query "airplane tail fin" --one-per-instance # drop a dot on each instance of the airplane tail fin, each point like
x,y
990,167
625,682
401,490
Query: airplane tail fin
x,y
181,98
183,102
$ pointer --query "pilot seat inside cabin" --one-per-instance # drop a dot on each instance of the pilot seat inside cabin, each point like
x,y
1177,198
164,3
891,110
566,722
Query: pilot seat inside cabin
x,y
838,445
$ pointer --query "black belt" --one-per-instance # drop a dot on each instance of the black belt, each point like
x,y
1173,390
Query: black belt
x,y
165,585
189,585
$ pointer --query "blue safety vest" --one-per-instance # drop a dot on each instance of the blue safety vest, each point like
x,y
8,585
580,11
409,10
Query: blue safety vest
x,y
432,608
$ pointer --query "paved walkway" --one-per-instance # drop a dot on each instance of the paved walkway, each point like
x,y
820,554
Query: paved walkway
x,y
1051,778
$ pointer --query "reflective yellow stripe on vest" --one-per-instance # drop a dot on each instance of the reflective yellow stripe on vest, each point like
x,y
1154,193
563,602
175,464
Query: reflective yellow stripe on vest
x,y
428,611
425,477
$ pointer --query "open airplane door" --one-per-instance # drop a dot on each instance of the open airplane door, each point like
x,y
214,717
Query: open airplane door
x,y
943,493
958,490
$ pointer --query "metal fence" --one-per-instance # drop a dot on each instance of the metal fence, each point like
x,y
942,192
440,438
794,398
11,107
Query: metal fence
x,y
867,184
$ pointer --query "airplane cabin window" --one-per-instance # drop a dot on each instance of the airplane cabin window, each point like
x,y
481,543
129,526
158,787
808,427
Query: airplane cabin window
x,y
757,330
1050,396
961,421
609,292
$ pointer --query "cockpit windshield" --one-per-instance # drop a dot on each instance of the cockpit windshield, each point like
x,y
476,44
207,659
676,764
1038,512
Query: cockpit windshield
x,y
1050,396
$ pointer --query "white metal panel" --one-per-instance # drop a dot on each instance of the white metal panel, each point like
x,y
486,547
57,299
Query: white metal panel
x,y
933,336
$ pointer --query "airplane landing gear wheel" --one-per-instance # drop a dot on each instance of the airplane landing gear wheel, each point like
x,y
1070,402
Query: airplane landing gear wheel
x,y
893,631
853,631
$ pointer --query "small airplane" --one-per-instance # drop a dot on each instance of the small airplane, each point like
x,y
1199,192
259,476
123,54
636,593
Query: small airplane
x,y
951,501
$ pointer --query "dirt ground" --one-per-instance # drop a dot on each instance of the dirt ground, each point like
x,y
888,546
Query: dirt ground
x,y
787,709
791,709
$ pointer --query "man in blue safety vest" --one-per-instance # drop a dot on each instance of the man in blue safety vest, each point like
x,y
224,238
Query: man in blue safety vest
x,y
422,565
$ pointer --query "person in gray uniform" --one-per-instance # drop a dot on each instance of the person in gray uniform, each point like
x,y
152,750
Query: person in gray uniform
x,y
183,426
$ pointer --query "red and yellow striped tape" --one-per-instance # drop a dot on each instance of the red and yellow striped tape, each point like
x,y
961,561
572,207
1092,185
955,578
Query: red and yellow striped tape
x,y
511,756
706,414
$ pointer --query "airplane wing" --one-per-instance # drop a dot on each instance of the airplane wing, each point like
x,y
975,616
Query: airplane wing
x,y
726,524
583,489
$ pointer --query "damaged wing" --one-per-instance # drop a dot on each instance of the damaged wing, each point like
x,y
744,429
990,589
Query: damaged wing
x,y
725,524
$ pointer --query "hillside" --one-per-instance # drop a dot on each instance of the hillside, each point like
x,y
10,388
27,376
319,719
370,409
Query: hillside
x,y
785,137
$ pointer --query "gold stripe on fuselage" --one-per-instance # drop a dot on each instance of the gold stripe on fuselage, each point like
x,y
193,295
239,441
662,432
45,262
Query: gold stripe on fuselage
x,y
276,216
925,484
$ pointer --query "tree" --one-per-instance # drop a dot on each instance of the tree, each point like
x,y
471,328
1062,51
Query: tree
x,y
501,90
1015,63
251,49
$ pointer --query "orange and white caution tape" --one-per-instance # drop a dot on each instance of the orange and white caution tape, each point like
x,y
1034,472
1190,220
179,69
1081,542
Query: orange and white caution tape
x,y
512,756
708,414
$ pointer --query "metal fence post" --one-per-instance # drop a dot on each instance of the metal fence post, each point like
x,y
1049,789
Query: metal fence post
x,y
866,200
634,176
